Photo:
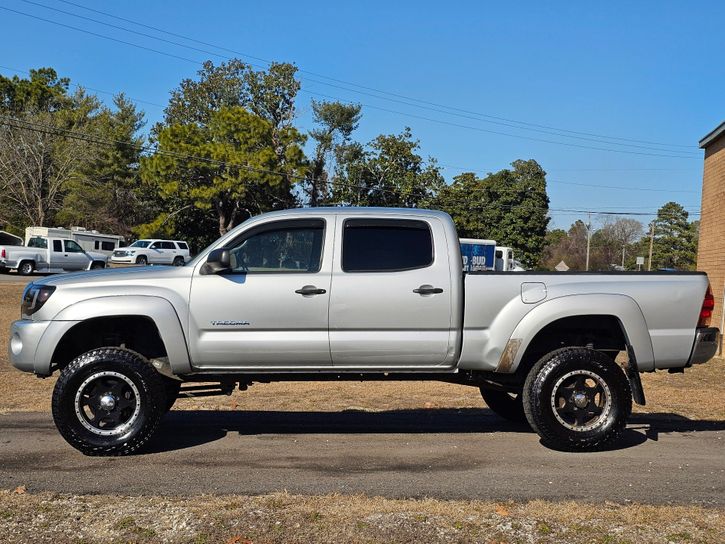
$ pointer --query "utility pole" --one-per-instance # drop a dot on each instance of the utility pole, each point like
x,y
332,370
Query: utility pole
x,y
651,243
589,238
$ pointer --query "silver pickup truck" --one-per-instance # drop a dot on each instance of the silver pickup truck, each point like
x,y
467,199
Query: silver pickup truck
x,y
355,294
49,255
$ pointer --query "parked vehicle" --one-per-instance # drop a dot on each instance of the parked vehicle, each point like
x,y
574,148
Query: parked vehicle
x,y
480,255
143,252
505,261
477,254
49,255
355,294
89,240
7,239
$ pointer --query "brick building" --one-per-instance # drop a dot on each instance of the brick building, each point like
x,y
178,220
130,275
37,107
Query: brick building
x,y
711,248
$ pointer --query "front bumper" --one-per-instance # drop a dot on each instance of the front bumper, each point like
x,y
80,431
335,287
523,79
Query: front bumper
x,y
32,344
25,337
130,259
706,344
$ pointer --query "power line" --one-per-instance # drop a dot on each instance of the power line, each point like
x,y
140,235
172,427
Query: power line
x,y
43,128
412,99
506,123
479,129
548,181
85,87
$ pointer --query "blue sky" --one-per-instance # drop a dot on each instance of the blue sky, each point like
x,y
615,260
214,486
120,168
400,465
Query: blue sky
x,y
646,73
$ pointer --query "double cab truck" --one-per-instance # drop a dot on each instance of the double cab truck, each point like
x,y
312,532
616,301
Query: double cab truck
x,y
50,255
355,294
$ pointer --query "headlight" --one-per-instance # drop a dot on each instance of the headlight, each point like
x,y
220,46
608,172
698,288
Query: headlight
x,y
34,297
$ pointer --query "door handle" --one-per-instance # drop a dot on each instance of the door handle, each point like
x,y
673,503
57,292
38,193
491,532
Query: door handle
x,y
428,290
310,290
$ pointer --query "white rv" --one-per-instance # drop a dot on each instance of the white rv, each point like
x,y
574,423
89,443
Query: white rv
x,y
90,240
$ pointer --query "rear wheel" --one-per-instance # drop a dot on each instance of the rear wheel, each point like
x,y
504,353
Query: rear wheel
x,y
577,399
108,401
509,406
178,261
26,268
142,260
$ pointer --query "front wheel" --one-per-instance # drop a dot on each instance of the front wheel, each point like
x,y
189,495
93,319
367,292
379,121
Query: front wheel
x,y
108,401
97,265
142,260
577,399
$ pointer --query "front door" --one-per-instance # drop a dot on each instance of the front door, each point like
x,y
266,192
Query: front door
x,y
271,309
391,299
75,257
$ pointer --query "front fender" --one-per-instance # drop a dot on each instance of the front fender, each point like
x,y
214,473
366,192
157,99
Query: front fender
x,y
158,309
622,307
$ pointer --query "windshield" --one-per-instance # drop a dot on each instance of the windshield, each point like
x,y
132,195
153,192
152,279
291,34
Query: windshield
x,y
141,243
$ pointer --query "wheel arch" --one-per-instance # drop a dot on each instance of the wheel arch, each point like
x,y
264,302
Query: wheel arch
x,y
612,320
149,324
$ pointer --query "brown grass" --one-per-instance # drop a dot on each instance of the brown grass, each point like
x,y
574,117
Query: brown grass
x,y
697,394
56,518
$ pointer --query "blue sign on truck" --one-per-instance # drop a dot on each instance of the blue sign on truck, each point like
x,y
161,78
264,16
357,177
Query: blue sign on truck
x,y
478,255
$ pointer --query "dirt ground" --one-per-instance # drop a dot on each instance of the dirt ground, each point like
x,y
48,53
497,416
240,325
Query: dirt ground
x,y
55,518
27,517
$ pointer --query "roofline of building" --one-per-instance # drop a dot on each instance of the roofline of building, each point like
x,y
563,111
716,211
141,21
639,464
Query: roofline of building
x,y
712,135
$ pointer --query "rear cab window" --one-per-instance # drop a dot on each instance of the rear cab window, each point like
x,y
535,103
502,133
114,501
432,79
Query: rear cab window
x,y
386,245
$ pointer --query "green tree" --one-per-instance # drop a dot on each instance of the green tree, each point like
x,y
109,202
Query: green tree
x,y
43,91
230,167
389,172
336,122
106,193
45,139
509,206
675,242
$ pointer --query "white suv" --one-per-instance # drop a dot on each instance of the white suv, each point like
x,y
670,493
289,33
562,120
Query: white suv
x,y
145,252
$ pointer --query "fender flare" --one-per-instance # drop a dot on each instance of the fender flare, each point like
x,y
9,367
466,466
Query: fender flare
x,y
157,309
622,307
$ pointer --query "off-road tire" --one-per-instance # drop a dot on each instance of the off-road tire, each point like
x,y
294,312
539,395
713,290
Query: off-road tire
x,y
509,406
131,365
539,399
142,260
26,268
178,261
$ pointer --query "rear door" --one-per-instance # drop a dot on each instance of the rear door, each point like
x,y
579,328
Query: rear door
x,y
391,298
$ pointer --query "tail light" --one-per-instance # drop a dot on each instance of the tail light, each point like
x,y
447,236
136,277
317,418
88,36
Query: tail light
x,y
3,255
708,305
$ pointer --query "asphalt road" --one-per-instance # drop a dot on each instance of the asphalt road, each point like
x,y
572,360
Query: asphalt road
x,y
463,454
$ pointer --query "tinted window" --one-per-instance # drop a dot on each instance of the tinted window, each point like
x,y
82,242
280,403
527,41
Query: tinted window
x,y
140,243
384,245
182,245
38,242
108,246
167,245
72,247
289,247
95,244
57,246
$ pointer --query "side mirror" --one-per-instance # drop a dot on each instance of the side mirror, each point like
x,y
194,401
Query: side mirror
x,y
217,262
